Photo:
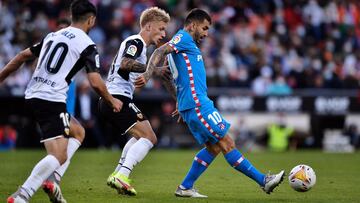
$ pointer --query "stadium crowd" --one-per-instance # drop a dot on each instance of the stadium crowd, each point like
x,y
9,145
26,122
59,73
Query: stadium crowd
x,y
270,46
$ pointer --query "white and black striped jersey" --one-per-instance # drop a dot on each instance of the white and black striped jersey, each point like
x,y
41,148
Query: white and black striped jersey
x,y
61,55
121,82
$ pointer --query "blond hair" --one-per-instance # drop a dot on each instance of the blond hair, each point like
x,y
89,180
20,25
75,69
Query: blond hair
x,y
153,14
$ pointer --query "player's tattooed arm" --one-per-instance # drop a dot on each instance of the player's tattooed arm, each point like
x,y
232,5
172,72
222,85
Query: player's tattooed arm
x,y
131,65
158,55
167,79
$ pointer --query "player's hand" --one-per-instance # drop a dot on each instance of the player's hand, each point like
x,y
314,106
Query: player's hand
x,y
140,81
165,73
176,113
116,105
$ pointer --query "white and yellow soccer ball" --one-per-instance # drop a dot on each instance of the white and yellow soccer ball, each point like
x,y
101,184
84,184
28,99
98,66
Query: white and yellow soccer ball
x,y
302,178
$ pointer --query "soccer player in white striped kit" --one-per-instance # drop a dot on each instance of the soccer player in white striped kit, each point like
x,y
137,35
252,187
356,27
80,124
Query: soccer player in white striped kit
x,y
61,55
128,64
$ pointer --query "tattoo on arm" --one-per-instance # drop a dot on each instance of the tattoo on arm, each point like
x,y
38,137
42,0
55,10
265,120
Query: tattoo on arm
x,y
170,87
128,64
158,55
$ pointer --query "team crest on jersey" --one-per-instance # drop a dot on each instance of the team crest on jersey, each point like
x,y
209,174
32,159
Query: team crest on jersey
x,y
66,131
221,125
97,60
177,39
131,50
140,116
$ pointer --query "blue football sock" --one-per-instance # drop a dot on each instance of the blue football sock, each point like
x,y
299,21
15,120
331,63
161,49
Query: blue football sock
x,y
236,160
201,161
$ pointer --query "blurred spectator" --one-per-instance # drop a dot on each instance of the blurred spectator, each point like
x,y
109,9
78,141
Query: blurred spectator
x,y
352,131
263,82
279,134
244,138
7,138
316,39
85,112
272,47
279,87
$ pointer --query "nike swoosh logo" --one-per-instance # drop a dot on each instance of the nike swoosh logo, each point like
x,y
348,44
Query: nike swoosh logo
x,y
123,184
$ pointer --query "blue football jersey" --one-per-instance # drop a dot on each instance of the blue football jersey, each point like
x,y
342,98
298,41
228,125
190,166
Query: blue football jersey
x,y
188,69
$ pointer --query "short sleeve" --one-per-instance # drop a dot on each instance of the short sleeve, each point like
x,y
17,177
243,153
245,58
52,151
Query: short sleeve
x,y
133,48
178,43
90,57
36,48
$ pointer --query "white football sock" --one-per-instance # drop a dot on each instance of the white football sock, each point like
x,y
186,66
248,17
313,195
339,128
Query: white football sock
x,y
73,145
136,153
40,172
124,152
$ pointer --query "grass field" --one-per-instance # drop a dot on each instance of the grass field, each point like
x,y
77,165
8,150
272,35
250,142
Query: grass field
x,y
158,175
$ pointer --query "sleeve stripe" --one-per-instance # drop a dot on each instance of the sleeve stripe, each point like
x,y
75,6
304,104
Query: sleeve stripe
x,y
173,46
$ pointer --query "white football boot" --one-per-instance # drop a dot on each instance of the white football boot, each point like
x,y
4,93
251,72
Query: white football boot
x,y
271,181
192,192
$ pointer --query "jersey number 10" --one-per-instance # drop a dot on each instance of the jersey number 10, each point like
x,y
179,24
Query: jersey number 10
x,y
56,57
215,117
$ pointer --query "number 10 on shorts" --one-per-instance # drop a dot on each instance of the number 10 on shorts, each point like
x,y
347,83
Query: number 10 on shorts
x,y
215,117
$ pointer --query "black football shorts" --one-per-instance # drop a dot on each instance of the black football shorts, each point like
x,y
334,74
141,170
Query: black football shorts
x,y
52,117
126,118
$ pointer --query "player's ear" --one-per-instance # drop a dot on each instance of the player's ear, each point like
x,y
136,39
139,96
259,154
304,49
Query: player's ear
x,y
148,26
91,21
193,26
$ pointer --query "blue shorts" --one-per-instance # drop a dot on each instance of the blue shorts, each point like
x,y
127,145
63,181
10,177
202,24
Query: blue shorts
x,y
205,123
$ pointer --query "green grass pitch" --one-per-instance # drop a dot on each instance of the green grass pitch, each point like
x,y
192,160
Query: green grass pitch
x,y
156,178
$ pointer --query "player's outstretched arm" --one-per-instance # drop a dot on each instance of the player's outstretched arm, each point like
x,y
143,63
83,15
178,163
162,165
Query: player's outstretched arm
x,y
16,63
98,85
157,56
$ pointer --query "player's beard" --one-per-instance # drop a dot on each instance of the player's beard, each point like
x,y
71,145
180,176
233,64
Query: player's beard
x,y
198,38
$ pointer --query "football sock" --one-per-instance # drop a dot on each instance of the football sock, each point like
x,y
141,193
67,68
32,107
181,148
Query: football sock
x,y
73,145
124,152
40,172
201,161
237,160
136,153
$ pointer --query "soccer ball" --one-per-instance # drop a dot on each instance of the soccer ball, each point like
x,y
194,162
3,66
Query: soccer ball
x,y
302,178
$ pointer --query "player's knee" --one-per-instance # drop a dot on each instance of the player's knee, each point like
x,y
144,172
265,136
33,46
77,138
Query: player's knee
x,y
61,157
150,135
152,138
213,149
227,144
79,133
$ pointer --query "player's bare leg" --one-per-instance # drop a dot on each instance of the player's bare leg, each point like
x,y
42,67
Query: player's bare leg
x,y
56,150
52,185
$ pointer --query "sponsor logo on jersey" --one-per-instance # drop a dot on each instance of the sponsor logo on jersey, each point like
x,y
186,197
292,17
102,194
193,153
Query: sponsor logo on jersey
x,y
131,50
176,39
97,61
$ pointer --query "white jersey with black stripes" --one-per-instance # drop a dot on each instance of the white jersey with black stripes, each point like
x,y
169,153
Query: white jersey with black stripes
x,y
61,55
120,82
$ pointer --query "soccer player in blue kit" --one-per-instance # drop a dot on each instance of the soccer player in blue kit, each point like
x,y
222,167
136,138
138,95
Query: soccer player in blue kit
x,y
204,121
